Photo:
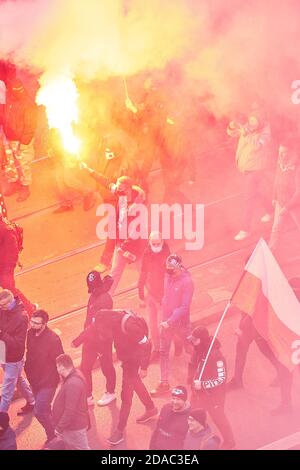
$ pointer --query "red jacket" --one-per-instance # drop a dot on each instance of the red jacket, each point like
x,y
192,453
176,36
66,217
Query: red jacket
x,y
20,120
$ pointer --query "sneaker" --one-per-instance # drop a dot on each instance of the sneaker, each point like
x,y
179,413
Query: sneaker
x,y
90,401
102,267
106,399
160,390
64,208
266,218
116,438
89,201
235,384
281,409
149,414
241,235
24,194
25,410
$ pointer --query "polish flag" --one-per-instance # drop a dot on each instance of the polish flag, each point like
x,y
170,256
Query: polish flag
x,y
265,294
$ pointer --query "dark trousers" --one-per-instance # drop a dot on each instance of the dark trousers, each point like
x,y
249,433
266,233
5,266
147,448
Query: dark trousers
x,y
7,281
131,382
89,356
255,194
243,344
42,409
213,404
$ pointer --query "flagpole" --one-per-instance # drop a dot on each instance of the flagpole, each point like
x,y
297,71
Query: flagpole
x,y
226,310
213,340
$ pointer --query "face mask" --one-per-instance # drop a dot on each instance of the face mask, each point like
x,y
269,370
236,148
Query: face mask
x,y
156,248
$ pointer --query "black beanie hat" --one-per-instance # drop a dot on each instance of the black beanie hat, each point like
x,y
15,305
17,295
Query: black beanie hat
x,y
199,415
201,333
93,281
4,420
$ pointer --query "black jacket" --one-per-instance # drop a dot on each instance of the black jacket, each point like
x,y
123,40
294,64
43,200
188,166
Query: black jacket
x,y
171,429
13,330
70,409
215,373
153,273
100,299
9,252
40,365
129,333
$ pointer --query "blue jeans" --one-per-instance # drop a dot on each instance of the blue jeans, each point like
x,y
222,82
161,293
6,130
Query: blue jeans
x,y
42,409
166,337
12,379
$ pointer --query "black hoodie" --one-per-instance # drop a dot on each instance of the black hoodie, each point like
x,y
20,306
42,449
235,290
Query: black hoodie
x,y
215,373
100,299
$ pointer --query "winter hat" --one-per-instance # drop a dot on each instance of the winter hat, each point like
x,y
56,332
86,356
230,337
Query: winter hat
x,y
4,420
6,297
201,333
199,415
174,261
180,392
93,281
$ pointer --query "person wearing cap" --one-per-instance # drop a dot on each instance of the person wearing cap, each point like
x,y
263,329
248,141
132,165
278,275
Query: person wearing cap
x,y
253,159
208,391
7,435
19,126
13,331
172,424
93,348
176,304
129,333
152,278
43,346
199,435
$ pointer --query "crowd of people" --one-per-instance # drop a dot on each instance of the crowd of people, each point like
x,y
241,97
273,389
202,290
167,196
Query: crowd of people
x,y
56,392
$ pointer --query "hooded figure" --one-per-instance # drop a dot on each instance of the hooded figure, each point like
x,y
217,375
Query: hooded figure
x,y
93,346
208,392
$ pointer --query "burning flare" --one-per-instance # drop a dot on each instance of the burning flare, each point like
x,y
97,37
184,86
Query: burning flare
x,y
60,98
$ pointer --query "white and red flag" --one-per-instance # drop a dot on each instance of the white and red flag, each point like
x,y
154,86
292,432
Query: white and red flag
x,y
265,294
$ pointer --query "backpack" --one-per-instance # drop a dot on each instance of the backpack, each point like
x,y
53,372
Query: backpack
x,y
138,329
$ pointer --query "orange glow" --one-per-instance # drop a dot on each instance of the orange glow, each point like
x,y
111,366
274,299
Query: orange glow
x,y
60,98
